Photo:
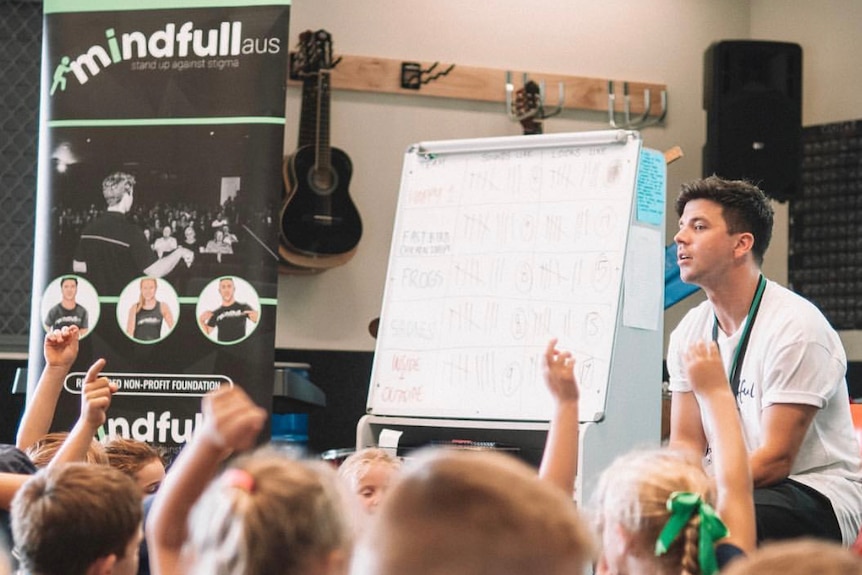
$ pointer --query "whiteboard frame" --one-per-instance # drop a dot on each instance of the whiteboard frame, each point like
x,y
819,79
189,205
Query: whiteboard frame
x,y
431,150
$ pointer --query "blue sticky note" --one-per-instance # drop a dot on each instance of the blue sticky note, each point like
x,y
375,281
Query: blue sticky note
x,y
651,190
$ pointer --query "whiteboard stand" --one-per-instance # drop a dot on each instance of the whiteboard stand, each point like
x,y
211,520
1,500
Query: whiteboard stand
x,y
500,244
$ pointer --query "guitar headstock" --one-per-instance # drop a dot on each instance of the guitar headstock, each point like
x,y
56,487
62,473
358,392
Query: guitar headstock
x,y
527,107
313,54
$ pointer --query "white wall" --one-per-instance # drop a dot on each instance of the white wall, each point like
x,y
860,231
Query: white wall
x,y
828,31
659,41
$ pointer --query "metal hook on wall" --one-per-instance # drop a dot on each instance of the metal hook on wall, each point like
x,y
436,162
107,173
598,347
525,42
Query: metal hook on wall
x,y
534,104
413,76
644,119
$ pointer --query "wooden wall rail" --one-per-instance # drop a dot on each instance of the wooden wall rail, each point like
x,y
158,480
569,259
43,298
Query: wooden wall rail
x,y
370,74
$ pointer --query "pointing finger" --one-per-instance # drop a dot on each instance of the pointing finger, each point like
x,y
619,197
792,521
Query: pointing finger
x,y
95,369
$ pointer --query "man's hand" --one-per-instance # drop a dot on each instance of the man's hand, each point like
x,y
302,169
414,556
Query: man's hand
x,y
61,347
187,255
96,396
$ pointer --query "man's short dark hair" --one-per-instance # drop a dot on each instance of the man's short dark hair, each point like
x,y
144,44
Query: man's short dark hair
x,y
117,184
66,517
744,206
68,278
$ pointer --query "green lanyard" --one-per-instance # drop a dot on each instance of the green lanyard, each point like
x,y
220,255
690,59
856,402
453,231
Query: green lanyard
x,y
739,354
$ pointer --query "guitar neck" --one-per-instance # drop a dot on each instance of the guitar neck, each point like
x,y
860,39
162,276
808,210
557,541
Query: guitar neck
x,y
323,155
308,112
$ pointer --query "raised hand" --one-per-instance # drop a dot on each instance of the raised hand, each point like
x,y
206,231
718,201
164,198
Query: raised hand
x,y
560,373
232,421
704,367
61,346
96,394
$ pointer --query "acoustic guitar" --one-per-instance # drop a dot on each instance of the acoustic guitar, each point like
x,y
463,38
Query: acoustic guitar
x,y
320,225
303,65
527,107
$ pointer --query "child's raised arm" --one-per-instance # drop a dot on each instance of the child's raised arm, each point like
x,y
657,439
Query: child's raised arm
x,y
60,350
231,422
735,503
96,393
560,459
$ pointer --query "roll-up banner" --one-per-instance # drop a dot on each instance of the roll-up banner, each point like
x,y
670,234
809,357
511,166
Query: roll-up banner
x,y
160,153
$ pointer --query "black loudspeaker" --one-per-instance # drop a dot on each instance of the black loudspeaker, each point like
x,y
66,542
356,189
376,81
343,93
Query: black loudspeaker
x,y
752,95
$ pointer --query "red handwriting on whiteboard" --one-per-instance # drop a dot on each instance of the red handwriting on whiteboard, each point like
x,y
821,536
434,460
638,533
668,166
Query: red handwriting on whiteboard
x,y
402,364
391,394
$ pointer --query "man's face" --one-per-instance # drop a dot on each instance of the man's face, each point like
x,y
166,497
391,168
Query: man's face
x,y
226,289
70,289
705,247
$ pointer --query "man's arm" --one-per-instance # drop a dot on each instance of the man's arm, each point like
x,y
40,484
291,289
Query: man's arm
x,y
204,321
686,428
163,266
60,350
784,427
253,315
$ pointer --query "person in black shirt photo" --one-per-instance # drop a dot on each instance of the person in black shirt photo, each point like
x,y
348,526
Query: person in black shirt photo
x,y
68,312
229,320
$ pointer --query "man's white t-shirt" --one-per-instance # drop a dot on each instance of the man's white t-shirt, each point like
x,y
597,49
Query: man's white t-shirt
x,y
793,356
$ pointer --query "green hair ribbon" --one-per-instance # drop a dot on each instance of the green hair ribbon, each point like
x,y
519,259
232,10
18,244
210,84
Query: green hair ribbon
x,y
682,505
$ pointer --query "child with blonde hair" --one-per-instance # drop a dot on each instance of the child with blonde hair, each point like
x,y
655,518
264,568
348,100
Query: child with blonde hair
x,y
137,459
369,473
473,513
658,511
266,513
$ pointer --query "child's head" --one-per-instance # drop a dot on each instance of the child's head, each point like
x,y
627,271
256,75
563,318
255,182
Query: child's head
x,y
369,473
268,513
632,509
139,460
68,517
476,513
798,557
42,452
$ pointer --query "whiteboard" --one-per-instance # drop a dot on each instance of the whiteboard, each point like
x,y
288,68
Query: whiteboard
x,y
498,245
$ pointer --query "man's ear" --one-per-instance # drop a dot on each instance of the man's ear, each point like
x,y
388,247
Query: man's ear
x,y
744,244
103,565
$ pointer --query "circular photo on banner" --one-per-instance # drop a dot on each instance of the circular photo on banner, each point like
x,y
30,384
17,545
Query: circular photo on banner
x,y
70,300
228,310
148,310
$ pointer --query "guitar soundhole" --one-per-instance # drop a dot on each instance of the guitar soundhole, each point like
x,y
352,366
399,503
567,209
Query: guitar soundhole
x,y
323,181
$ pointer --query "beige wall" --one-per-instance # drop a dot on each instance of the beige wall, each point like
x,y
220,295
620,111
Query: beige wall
x,y
828,31
657,41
